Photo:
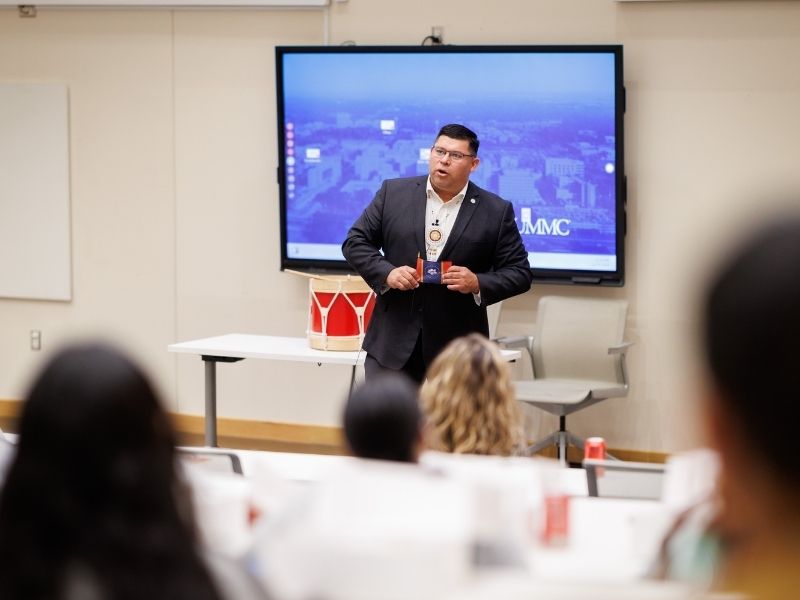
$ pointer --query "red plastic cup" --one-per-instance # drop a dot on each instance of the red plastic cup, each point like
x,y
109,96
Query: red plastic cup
x,y
594,447
556,520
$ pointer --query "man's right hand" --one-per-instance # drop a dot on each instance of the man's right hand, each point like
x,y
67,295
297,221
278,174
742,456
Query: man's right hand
x,y
402,278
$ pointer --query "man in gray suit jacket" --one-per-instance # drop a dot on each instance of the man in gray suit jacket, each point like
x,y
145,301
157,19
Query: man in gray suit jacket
x,y
441,217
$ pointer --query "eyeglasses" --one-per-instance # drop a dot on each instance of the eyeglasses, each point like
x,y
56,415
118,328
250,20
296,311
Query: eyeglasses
x,y
456,156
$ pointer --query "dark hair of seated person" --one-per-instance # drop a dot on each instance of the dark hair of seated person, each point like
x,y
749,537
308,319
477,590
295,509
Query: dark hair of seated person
x,y
751,335
752,344
382,419
92,506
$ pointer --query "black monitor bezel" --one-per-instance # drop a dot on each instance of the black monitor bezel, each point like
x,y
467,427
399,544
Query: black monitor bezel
x,y
558,276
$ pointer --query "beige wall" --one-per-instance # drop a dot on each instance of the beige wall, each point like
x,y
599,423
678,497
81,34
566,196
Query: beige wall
x,y
174,198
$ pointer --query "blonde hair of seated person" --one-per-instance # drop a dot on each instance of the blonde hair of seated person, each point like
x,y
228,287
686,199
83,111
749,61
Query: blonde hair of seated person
x,y
469,402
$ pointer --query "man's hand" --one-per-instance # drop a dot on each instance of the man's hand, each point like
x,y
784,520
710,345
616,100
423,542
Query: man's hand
x,y
402,278
461,279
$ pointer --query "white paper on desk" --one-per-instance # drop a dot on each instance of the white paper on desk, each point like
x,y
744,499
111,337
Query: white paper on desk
x,y
521,586
610,539
271,490
379,531
508,497
690,478
222,505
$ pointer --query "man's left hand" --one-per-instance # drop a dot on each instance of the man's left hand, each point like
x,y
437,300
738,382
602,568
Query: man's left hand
x,y
461,279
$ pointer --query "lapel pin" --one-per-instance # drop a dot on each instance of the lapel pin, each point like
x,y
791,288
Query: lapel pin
x,y
472,200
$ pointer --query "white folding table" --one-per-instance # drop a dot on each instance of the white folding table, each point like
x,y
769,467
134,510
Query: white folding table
x,y
234,347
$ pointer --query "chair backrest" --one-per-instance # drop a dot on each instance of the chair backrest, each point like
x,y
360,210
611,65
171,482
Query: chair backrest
x,y
624,479
221,462
573,336
493,315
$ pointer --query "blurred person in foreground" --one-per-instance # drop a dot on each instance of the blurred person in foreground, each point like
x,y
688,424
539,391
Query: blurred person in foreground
x,y
93,506
382,419
751,328
468,400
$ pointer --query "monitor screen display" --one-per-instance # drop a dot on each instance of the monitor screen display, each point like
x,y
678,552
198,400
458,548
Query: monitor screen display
x,y
549,120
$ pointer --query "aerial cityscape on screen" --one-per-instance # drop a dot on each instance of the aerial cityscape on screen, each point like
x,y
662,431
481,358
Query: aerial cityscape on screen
x,y
546,123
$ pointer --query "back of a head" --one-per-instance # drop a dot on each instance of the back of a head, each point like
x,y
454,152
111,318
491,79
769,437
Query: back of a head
x,y
469,400
93,425
382,419
752,342
94,485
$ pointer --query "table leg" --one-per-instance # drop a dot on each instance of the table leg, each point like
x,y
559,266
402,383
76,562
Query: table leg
x,y
211,404
211,395
353,378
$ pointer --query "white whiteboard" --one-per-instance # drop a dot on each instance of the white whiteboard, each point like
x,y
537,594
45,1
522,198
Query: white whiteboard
x,y
35,256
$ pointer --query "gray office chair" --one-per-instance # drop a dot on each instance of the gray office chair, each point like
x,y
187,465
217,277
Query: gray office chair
x,y
578,359
624,479
493,312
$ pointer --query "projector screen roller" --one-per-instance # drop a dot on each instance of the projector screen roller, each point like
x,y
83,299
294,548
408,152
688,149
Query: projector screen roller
x,y
549,120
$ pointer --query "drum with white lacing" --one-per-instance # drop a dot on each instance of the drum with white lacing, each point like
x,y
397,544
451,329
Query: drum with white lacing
x,y
339,311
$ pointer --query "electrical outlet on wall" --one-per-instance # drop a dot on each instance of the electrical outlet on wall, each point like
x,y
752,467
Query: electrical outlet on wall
x,y
36,339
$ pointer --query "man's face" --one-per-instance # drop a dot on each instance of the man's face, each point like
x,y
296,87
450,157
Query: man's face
x,y
449,175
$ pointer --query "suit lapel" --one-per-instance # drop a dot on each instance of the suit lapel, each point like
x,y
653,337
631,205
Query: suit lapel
x,y
419,207
468,206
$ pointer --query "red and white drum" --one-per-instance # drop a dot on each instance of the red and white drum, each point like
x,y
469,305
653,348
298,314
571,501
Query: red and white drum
x,y
339,312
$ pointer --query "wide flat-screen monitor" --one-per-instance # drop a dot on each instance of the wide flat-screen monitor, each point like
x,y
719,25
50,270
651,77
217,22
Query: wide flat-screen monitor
x,y
549,120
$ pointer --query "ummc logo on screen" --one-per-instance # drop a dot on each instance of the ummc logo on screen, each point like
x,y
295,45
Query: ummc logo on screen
x,y
558,227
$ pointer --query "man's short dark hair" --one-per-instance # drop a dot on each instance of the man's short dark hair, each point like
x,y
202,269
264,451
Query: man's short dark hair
x,y
752,342
459,132
382,419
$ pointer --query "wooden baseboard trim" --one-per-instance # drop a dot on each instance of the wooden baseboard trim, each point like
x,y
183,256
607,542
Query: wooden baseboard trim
x,y
575,455
646,456
9,409
9,414
243,434
247,434
262,435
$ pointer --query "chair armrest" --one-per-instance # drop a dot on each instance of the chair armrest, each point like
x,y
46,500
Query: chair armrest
x,y
514,341
518,342
621,348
